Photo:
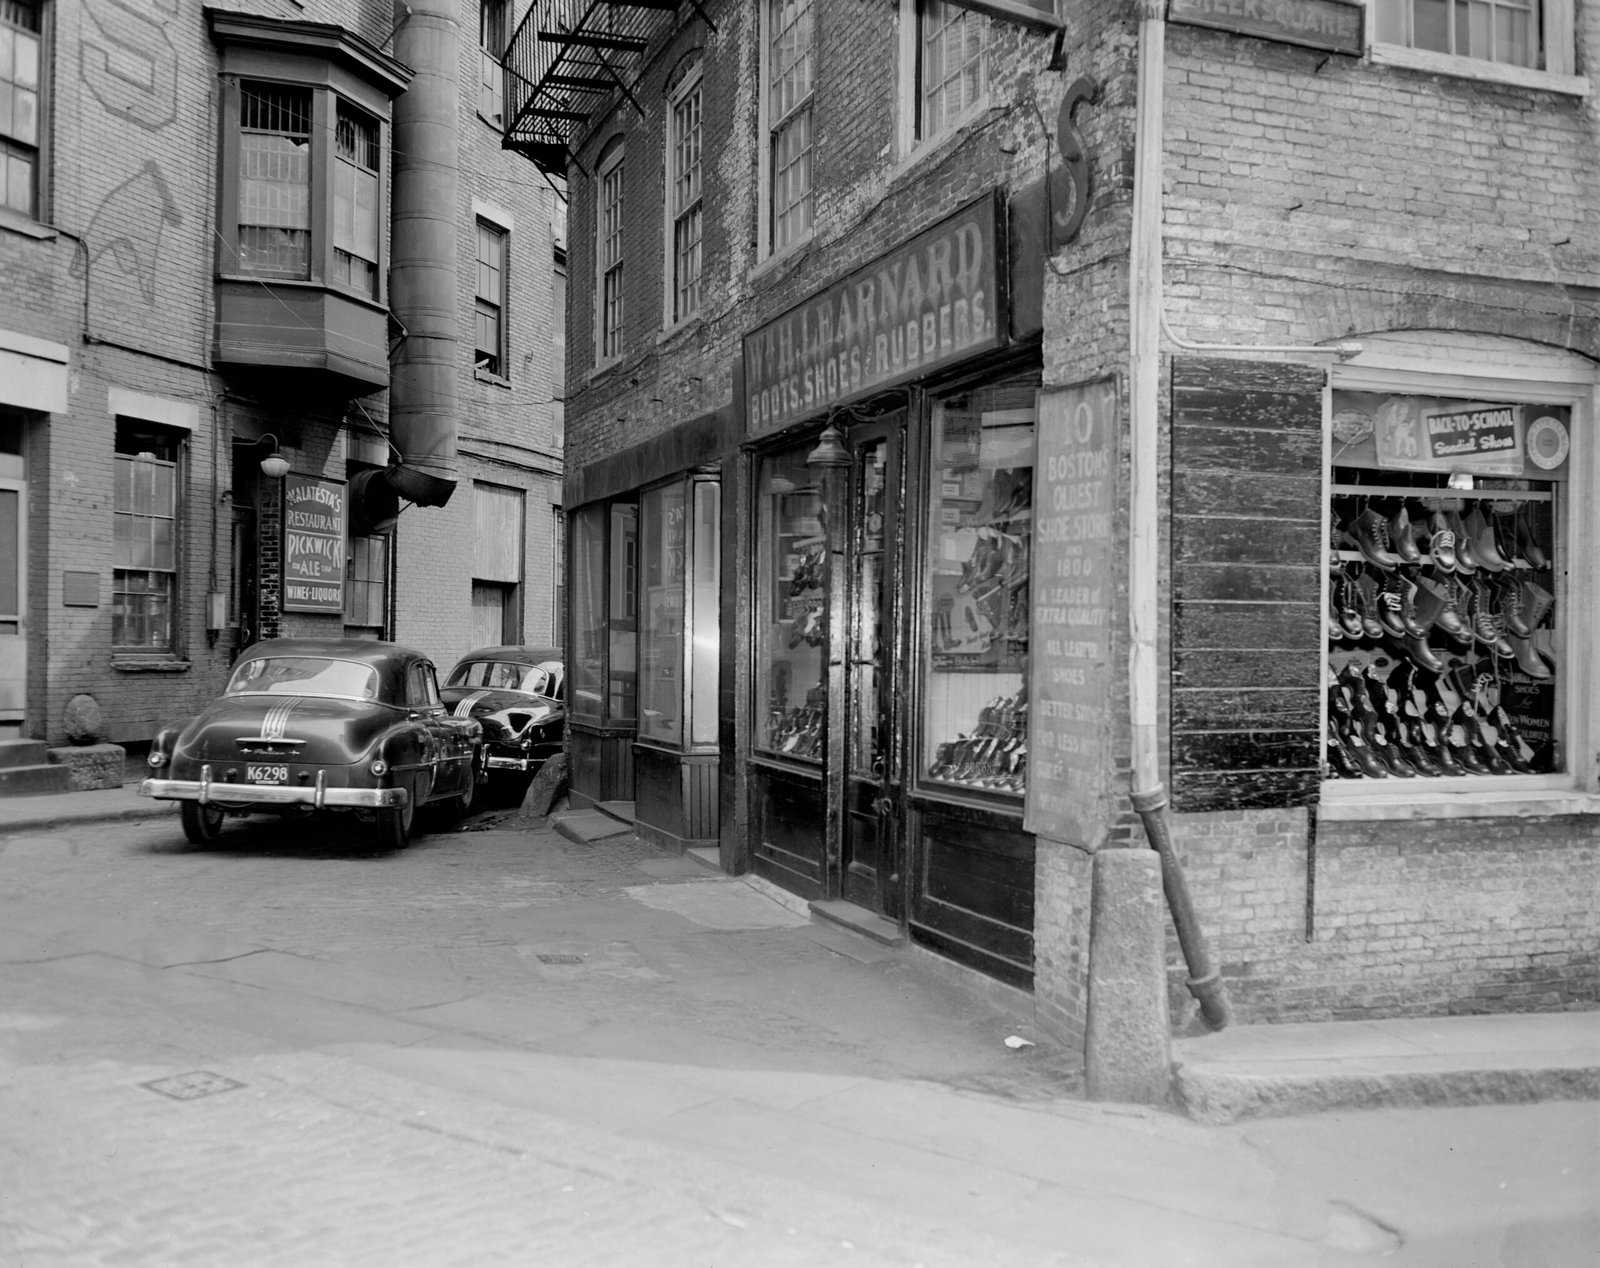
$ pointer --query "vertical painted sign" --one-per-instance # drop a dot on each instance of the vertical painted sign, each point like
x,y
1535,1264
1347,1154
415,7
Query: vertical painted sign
x,y
1070,760
313,544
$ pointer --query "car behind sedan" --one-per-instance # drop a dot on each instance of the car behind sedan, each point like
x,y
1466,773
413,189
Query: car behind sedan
x,y
312,725
518,694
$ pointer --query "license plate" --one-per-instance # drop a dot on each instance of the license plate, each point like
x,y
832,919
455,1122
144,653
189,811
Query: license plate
x,y
266,774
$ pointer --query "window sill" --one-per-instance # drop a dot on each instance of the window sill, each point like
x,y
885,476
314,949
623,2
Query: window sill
x,y
26,227
125,663
922,151
779,257
495,380
669,333
601,369
1514,797
498,125
1475,68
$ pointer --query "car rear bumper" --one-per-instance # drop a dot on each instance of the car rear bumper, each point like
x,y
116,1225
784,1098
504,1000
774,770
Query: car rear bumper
x,y
206,790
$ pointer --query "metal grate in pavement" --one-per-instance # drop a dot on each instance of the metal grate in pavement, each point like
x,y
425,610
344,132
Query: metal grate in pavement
x,y
191,1086
560,959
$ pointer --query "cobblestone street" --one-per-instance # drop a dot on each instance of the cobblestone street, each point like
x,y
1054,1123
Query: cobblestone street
x,y
502,1047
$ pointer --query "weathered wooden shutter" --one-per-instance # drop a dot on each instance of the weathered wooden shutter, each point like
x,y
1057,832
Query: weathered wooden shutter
x,y
1247,572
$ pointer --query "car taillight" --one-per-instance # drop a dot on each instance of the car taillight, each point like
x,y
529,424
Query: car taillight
x,y
379,766
157,759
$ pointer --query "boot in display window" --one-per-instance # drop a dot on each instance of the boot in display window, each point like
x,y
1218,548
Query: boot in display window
x,y
1443,646
792,609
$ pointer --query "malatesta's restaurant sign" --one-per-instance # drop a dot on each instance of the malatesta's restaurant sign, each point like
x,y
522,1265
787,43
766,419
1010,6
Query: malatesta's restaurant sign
x,y
933,301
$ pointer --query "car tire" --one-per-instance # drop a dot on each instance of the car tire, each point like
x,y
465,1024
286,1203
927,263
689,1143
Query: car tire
x,y
201,824
465,802
394,825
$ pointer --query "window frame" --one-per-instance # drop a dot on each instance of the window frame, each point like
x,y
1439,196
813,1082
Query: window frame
x,y
1577,788
127,431
500,369
1556,21
356,582
767,246
675,311
36,152
609,339
493,34
911,131
337,72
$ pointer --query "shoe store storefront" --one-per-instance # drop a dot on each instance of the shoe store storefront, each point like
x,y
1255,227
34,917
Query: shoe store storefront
x,y
891,431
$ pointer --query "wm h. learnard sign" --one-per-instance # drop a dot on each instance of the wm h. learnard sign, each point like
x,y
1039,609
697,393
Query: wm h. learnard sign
x,y
935,300
313,544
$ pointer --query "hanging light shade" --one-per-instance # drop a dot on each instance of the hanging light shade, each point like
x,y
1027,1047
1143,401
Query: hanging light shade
x,y
274,466
830,450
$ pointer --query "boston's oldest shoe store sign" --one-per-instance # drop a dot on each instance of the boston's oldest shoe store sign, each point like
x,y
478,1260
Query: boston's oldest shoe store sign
x,y
936,300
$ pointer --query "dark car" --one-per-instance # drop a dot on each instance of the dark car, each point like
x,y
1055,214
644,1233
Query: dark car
x,y
307,725
519,695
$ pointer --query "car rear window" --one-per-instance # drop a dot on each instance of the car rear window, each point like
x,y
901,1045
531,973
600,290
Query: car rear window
x,y
305,676
502,675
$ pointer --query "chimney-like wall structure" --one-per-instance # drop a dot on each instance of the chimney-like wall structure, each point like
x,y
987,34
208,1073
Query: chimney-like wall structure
x,y
423,394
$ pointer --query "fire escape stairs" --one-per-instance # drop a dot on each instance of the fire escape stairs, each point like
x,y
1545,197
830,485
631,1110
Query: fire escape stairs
x,y
568,60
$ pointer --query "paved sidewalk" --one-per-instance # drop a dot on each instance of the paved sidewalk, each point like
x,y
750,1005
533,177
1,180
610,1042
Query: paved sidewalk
x,y
1247,1071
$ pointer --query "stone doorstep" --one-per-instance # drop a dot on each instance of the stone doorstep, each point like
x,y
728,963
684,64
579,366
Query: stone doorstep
x,y
867,923
18,753
91,766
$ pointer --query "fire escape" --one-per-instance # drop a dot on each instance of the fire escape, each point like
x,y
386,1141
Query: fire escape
x,y
568,60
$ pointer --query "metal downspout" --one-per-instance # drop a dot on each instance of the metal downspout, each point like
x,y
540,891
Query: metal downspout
x,y
1149,796
423,392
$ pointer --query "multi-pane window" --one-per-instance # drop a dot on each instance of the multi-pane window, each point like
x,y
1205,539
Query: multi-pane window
x,y
952,61
1504,31
685,201
610,240
491,47
355,201
19,106
558,351
558,572
274,181
366,589
145,538
791,64
489,340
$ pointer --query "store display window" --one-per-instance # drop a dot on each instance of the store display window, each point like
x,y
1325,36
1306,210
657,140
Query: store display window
x,y
603,661
980,536
1444,647
679,620
587,656
791,608
622,618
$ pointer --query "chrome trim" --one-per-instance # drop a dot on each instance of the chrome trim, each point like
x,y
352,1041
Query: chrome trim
x,y
206,790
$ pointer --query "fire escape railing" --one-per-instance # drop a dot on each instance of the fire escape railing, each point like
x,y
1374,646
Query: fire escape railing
x,y
568,59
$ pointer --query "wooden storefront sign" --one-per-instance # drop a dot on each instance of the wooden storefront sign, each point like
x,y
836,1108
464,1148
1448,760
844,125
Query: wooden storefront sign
x,y
938,299
314,531
1335,25
1070,758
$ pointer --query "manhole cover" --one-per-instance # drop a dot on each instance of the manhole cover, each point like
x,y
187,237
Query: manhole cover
x,y
190,1087
560,959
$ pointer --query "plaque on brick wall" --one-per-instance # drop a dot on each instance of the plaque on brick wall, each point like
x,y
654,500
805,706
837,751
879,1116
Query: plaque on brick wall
x,y
1070,759
313,544
1334,25
80,589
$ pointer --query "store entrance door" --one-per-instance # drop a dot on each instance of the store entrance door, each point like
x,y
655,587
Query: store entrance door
x,y
871,852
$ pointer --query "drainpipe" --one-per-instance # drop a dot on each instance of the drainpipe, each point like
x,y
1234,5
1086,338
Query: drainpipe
x,y
423,395
1149,795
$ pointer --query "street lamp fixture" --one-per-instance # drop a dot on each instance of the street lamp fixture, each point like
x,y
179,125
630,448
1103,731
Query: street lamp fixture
x,y
274,466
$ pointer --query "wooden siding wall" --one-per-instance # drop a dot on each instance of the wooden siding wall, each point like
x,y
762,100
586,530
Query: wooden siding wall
x,y
1247,572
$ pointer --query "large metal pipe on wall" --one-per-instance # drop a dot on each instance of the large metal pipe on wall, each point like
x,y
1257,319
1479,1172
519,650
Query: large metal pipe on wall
x,y
423,393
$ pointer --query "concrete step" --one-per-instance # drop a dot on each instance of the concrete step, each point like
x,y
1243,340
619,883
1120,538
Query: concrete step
x,y
621,811
868,923
22,781
23,753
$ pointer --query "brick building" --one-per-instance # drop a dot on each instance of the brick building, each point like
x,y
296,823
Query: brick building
x,y
242,230
981,414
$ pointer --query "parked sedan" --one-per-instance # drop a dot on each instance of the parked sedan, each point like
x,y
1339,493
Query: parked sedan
x,y
305,725
519,695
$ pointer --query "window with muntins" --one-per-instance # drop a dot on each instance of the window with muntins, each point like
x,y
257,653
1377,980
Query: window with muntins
x,y
145,525
791,65
355,201
1504,31
366,591
274,237
490,327
685,202
952,65
610,240
20,58
491,47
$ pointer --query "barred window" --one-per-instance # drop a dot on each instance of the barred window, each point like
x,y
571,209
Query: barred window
x,y
491,48
355,201
145,524
20,58
274,181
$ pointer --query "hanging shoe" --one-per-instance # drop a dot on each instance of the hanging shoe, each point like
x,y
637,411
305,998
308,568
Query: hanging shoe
x,y
1371,532
1408,610
1441,542
1536,603
1508,602
1543,641
1528,539
1528,660
1466,556
1339,756
1367,604
1487,627
1391,607
1436,606
1422,655
1484,547
1403,537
